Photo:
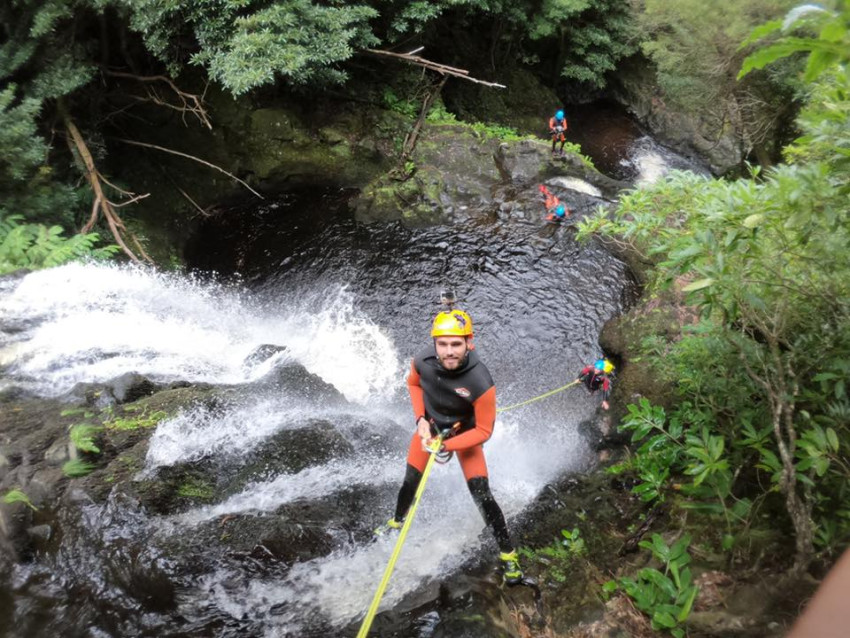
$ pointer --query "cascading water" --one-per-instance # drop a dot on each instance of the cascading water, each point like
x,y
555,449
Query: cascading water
x,y
351,304
620,148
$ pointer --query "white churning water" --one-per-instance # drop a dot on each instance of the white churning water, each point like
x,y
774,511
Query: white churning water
x,y
95,322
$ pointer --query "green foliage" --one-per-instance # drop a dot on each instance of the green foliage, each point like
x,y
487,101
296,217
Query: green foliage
x,y
18,496
195,488
696,53
557,557
143,420
574,542
402,106
831,47
36,246
504,133
76,468
83,437
591,36
667,596
761,379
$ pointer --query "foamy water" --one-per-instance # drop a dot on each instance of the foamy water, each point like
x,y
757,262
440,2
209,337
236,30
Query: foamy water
x,y
95,322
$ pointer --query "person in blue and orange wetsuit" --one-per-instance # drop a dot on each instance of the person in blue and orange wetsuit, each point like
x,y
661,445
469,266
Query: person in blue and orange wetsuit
x,y
452,390
557,129
598,376
557,211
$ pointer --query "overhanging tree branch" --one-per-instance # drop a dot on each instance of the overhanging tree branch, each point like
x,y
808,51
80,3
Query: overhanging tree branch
x,y
187,102
191,157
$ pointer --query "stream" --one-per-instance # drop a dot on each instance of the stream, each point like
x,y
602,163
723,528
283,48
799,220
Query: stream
x,y
348,304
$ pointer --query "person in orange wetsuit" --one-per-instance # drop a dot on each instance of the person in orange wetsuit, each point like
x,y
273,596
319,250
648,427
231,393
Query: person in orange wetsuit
x,y
557,211
452,391
557,129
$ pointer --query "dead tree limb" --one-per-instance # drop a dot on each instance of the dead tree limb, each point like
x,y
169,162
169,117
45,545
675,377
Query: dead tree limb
x,y
102,205
434,66
187,102
410,139
191,157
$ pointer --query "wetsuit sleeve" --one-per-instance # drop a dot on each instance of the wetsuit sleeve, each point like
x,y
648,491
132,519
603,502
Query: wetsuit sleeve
x,y
606,388
485,417
417,394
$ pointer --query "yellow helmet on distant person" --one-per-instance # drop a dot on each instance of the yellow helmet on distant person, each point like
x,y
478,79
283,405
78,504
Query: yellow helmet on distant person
x,y
603,365
452,323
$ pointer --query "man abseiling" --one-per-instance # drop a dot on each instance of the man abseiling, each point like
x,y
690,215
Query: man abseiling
x,y
452,391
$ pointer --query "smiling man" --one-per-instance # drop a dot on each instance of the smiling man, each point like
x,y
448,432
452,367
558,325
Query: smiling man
x,y
452,391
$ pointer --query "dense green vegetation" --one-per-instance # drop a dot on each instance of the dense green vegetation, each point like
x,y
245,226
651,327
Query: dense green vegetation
x,y
76,72
697,52
762,417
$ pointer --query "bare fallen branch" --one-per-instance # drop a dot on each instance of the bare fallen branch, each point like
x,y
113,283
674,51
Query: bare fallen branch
x,y
102,205
203,212
191,157
434,66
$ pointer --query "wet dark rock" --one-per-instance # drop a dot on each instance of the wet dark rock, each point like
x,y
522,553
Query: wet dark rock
x,y
294,378
262,353
60,451
130,387
15,519
289,451
175,488
126,388
461,174
693,134
40,532
94,395
14,393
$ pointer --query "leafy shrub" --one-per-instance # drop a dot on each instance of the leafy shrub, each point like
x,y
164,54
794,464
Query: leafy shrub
x,y
38,246
667,596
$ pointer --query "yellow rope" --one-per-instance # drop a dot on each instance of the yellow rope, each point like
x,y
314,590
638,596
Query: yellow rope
x,y
376,600
542,396
373,608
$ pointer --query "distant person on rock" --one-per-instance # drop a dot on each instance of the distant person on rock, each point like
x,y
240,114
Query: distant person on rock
x,y
560,213
557,129
556,211
452,391
598,376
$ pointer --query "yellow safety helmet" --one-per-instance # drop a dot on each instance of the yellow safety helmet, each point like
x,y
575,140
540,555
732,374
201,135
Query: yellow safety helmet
x,y
452,323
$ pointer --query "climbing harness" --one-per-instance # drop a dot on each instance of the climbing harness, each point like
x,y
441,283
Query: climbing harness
x,y
542,396
376,600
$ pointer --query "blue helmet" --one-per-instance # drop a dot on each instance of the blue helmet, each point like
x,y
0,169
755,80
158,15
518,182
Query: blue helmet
x,y
559,115
603,365
561,210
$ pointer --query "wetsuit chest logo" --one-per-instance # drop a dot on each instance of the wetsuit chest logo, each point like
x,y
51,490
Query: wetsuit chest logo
x,y
463,392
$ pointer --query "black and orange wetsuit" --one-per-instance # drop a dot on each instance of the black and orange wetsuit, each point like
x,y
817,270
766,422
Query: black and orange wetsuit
x,y
557,128
554,125
467,396
594,379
